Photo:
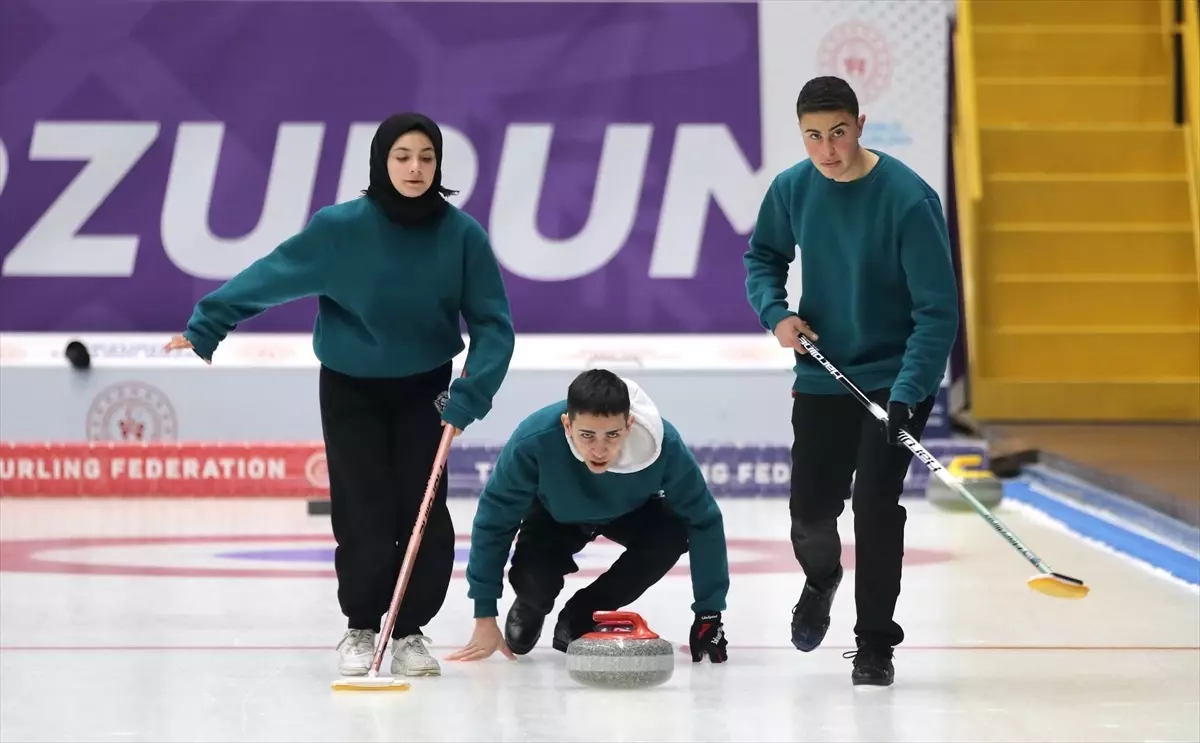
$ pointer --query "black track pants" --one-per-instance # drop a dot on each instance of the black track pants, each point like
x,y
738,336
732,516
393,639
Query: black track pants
x,y
837,439
654,539
381,436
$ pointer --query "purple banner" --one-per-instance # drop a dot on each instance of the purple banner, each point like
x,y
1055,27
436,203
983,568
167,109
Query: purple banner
x,y
149,150
731,471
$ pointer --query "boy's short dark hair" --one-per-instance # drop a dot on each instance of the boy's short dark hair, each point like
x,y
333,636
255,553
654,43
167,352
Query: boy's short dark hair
x,y
823,94
597,392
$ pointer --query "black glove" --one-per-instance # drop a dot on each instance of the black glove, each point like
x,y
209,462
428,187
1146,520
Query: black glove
x,y
899,416
708,637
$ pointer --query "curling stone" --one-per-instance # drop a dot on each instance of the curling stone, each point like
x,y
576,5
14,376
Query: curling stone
x,y
986,487
621,653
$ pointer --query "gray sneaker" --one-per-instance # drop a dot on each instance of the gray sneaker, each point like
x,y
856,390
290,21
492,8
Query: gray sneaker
x,y
410,657
355,652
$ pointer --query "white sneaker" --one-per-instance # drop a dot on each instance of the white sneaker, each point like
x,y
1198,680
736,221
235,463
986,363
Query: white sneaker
x,y
410,657
355,651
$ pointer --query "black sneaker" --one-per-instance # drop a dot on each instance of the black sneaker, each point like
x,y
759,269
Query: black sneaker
x,y
523,627
569,629
810,615
872,666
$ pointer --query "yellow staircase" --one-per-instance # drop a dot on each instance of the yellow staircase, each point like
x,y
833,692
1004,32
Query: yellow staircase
x,y
1078,215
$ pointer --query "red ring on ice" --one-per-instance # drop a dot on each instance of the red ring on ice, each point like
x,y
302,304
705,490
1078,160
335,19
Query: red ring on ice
x,y
24,556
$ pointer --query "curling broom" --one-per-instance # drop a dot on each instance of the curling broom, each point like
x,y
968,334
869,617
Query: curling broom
x,y
1047,581
373,681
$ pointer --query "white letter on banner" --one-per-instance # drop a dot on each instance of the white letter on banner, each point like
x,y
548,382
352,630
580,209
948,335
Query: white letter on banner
x,y
517,242
53,247
3,166
460,166
356,162
189,242
706,161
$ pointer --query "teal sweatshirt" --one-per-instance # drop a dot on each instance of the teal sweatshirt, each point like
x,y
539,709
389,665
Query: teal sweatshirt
x,y
539,462
389,299
878,283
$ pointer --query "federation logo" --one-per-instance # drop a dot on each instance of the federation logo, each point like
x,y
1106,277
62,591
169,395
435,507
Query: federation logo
x,y
316,470
132,411
858,53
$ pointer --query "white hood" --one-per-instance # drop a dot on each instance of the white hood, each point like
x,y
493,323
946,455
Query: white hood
x,y
643,444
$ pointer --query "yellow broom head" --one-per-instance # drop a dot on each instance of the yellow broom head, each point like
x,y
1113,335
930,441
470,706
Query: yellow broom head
x,y
1058,586
370,683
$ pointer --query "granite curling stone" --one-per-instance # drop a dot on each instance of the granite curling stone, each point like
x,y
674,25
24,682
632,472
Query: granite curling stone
x,y
621,653
986,487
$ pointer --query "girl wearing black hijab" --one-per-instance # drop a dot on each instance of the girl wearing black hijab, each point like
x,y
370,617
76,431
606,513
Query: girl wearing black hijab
x,y
392,271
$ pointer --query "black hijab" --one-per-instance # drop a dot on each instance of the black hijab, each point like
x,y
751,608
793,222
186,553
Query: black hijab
x,y
405,210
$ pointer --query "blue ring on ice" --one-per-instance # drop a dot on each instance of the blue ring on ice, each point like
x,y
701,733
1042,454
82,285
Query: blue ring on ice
x,y
304,554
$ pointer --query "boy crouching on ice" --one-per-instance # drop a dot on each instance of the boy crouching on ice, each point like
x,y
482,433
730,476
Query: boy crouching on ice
x,y
603,462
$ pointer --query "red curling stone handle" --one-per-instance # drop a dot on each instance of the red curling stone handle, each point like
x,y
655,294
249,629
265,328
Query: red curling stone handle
x,y
627,623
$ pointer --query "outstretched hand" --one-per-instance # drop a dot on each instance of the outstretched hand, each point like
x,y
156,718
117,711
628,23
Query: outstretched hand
x,y
485,640
178,343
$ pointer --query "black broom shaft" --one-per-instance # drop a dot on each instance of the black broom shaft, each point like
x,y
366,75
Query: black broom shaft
x,y
929,460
